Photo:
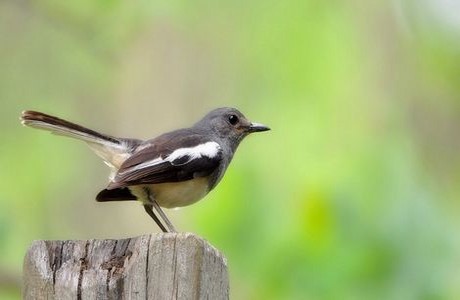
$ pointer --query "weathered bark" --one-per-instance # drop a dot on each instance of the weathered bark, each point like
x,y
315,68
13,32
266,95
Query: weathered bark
x,y
157,266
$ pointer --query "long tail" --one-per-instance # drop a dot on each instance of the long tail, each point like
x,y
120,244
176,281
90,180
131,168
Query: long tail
x,y
113,150
59,126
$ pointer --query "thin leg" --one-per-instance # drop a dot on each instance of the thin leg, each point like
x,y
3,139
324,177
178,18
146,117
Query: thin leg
x,y
162,214
148,209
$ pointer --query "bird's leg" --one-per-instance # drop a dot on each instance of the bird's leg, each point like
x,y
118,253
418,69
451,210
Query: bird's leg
x,y
154,203
163,216
148,209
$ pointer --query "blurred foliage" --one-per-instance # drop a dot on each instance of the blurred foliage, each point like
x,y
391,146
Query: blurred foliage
x,y
352,195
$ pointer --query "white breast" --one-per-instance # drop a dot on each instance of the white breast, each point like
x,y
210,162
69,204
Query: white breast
x,y
174,194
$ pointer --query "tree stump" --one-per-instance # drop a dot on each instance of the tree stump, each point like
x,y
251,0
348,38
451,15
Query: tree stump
x,y
157,266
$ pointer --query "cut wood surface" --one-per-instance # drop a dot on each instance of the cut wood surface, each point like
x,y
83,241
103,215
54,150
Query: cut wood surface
x,y
157,266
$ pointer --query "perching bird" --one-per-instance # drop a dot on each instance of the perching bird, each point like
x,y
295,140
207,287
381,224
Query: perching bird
x,y
174,169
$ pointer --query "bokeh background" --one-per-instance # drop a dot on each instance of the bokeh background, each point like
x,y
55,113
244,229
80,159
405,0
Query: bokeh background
x,y
355,192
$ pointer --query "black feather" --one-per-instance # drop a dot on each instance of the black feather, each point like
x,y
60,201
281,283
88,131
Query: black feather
x,y
121,194
183,168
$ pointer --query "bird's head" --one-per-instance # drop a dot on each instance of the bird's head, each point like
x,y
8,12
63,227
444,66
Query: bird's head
x,y
230,124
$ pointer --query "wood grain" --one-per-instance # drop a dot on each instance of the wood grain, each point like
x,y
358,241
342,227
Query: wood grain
x,y
157,266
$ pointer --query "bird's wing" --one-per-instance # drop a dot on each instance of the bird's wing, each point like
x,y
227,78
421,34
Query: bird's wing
x,y
173,157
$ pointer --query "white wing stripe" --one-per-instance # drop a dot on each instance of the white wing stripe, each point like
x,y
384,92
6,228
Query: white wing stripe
x,y
209,149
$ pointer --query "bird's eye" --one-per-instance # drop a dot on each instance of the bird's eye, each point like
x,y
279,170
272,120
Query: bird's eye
x,y
233,119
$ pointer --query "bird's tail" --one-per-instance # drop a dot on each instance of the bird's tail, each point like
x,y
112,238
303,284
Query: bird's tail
x,y
59,126
112,150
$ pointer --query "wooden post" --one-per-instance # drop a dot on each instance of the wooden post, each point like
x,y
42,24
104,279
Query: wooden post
x,y
157,266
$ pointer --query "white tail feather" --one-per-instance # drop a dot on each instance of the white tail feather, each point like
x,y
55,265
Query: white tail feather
x,y
113,151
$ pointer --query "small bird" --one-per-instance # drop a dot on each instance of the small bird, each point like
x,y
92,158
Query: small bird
x,y
175,169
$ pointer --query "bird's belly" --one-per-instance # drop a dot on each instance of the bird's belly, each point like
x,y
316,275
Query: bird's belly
x,y
177,194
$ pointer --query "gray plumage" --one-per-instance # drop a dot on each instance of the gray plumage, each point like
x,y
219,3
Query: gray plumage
x,y
174,169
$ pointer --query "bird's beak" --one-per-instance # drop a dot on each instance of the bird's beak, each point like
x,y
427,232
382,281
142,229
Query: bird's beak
x,y
256,127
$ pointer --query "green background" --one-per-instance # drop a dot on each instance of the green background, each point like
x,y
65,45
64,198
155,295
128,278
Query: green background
x,y
354,193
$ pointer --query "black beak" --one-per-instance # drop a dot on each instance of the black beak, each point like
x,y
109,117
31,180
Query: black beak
x,y
256,127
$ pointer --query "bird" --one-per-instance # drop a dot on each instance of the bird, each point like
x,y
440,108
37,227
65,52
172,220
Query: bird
x,y
174,169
